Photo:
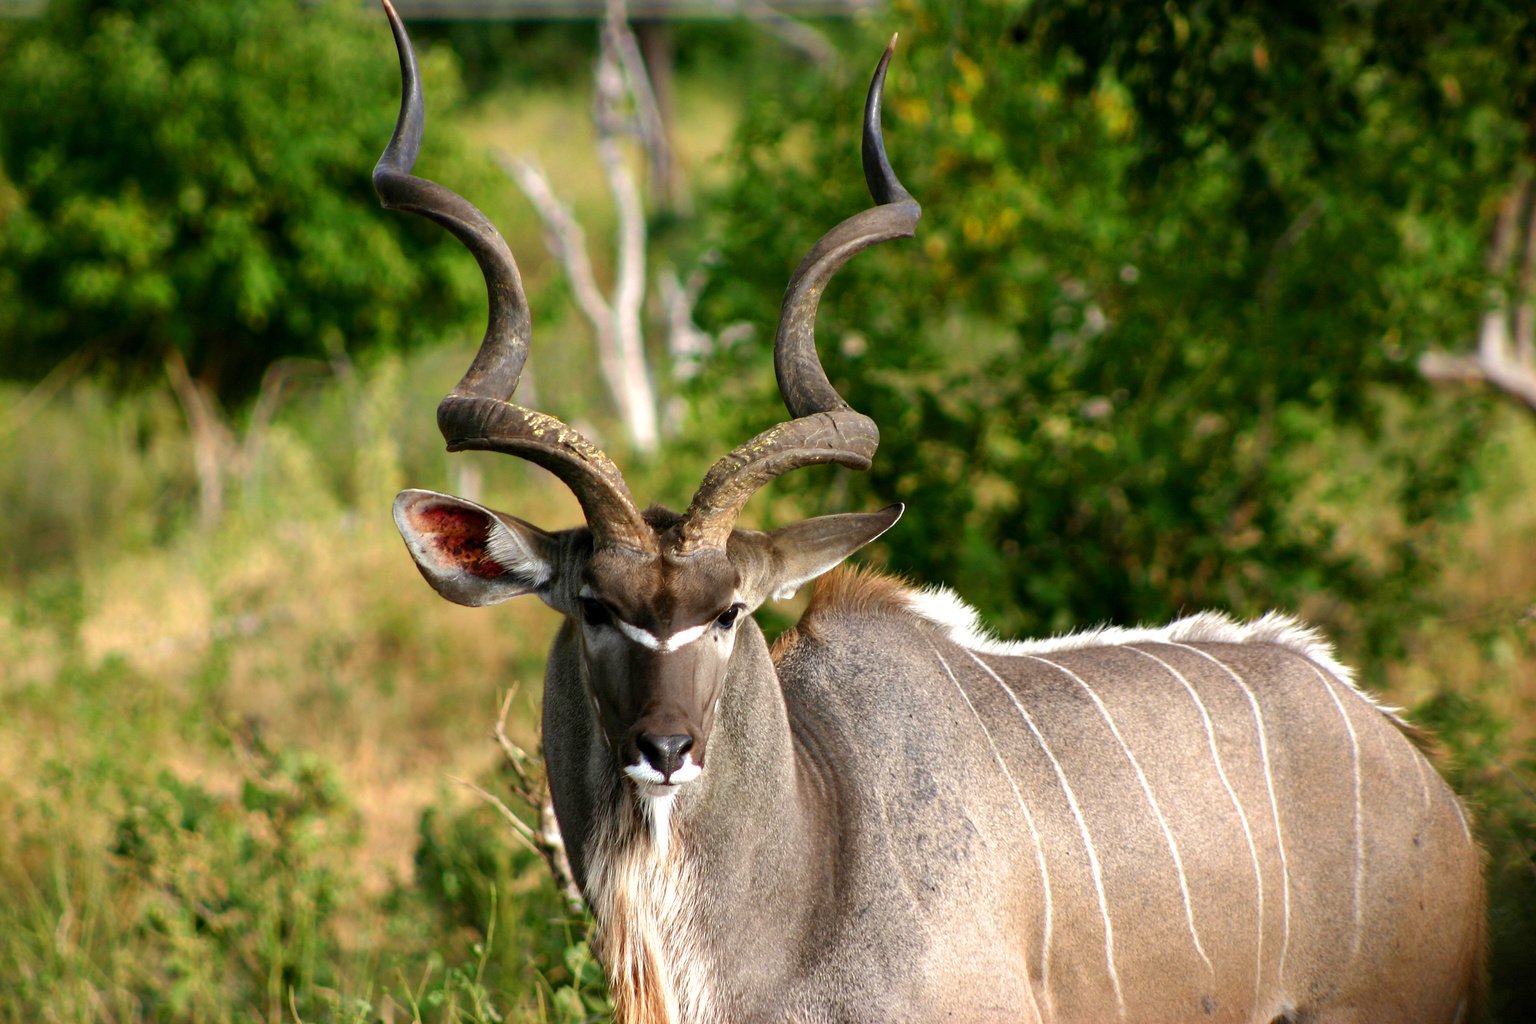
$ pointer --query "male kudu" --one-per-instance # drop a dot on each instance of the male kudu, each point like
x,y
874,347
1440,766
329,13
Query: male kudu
x,y
892,816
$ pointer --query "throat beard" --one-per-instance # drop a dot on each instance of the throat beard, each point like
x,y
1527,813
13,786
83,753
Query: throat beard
x,y
656,809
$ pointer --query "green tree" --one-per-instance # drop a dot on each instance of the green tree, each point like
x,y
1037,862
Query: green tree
x,y
1170,256
193,178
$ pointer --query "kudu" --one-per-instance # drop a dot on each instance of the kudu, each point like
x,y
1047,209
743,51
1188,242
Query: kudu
x,y
891,816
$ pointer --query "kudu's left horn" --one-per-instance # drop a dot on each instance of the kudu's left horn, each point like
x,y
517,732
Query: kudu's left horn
x,y
824,428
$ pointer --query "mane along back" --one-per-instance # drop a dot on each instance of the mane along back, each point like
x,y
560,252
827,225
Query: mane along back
x,y
851,592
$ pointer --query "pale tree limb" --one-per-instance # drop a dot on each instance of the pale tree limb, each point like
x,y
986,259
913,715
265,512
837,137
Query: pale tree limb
x,y
1505,354
616,322
629,283
689,345
615,318
649,123
276,381
1525,310
1493,365
44,391
797,35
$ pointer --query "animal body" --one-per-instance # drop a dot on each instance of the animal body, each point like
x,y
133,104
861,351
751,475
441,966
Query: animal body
x,y
892,816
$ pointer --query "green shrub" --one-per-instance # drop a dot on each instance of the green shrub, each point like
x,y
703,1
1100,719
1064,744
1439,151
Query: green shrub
x,y
195,177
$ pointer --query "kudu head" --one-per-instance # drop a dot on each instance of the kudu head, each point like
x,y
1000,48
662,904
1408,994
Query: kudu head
x,y
657,598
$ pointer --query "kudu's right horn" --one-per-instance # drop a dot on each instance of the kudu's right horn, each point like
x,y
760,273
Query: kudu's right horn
x,y
478,413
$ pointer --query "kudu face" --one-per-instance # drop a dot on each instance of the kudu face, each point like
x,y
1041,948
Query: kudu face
x,y
657,598
656,637
656,628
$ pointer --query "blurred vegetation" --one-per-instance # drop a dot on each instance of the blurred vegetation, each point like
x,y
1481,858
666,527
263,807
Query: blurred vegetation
x,y
193,177
1153,350
1166,262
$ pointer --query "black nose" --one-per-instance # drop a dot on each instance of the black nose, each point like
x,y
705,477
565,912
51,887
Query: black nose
x,y
665,753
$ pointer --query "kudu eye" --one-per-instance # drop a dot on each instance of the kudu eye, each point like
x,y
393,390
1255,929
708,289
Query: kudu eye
x,y
727,618
594,612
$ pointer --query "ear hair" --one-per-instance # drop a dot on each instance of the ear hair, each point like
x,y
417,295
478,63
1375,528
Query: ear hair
x,y
511,549
470,554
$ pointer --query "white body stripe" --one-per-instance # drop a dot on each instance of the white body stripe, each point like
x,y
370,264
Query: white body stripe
x,y
1242,815
1029,821
944,608
1082,828
1274,804
1146,789
1354,757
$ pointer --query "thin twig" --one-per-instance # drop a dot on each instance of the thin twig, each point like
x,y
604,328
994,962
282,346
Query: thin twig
x,y
44,390
520,828
531,786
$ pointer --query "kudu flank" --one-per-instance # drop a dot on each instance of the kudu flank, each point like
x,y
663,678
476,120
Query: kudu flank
x,y
892,816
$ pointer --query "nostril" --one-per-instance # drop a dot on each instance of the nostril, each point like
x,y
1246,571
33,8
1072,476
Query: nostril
x,y
664,752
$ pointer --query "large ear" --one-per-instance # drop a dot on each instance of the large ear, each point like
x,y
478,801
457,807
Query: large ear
x,y
799,552
470,554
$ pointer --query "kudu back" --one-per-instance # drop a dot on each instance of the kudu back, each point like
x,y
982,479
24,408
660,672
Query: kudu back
x,y
892,816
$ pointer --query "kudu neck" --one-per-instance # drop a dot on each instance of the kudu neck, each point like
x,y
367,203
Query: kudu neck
x,y
750,829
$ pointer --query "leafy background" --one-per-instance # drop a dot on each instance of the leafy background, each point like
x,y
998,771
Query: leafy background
x,y
1153,350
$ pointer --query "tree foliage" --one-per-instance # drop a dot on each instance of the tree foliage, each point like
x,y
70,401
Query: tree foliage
x,y
195,176
1174,261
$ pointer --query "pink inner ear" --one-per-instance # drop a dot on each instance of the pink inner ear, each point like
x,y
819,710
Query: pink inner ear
x,y
459,536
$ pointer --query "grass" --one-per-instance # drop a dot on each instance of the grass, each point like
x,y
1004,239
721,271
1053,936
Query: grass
x,y
226,756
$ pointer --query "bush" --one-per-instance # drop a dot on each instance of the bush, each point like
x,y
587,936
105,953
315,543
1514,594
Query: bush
x,y
195,177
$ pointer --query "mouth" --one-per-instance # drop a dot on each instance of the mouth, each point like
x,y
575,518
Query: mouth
x,y
650,782
657,790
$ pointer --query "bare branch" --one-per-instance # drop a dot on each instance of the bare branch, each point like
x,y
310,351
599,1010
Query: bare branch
x,y
687,344
800,37
517,758
213,445
617,320
628,384
629,286
1513,378
520,828
563,235
649,123
1525,287
56,380
530,785
1504,357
